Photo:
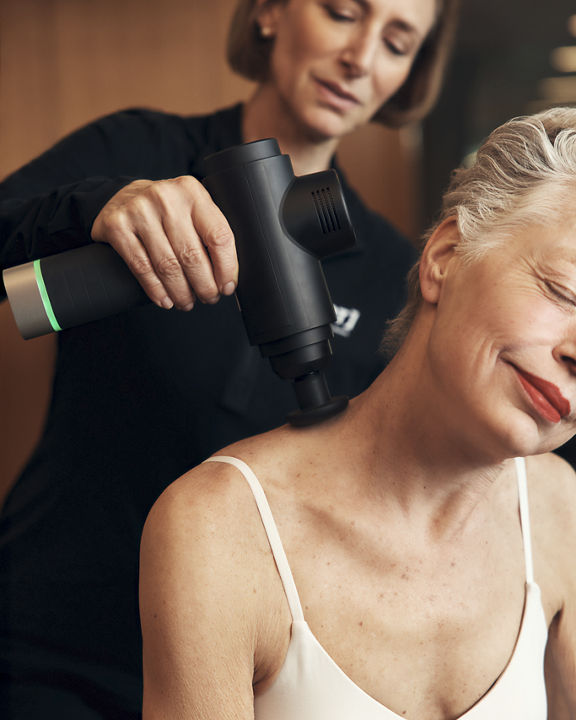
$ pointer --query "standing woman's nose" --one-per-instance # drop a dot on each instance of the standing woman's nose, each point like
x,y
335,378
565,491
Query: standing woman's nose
x,y
360,51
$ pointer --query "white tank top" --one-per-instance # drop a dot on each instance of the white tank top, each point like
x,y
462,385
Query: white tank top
x,y
311,686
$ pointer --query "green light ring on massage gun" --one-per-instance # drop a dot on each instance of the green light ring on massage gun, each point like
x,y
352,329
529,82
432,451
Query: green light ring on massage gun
x,y
58,292
45,297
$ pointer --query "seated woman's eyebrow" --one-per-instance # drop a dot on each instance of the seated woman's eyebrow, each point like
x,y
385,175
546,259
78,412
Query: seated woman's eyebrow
x,y
559,262
569,257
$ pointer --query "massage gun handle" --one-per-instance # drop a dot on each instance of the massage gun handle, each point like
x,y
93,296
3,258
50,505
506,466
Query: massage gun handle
x,y
69,289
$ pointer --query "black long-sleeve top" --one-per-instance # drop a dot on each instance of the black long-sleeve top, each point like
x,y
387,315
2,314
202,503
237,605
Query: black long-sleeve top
x,y
138,399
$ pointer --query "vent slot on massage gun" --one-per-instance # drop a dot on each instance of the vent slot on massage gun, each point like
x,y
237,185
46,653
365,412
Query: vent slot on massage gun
x,y
326,210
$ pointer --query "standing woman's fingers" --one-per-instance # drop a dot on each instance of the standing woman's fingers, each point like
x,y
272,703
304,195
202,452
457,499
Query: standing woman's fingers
x,y
174,239
179,220
218,239
138,261
160,219
166,270
114,226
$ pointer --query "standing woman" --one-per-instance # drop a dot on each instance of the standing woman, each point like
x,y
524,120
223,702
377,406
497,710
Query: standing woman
x,y
141,397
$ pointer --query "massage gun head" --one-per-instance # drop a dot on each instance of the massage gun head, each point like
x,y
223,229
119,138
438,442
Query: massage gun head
x,y
284,225
303,358
316,403
305,367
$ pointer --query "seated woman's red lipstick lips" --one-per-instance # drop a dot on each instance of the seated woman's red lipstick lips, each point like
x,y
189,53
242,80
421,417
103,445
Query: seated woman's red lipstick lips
x,y
545,396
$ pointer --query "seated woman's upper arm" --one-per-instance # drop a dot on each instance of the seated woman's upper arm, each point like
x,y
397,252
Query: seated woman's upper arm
x,y
197,602
561,667
561,651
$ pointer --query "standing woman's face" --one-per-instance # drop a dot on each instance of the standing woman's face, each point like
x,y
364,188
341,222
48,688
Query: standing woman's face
x,y
335,62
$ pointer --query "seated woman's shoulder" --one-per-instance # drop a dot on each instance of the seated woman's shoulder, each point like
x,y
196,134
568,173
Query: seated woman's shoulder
x,y
552,490
206,493
203,539
552,467
206,518
214,494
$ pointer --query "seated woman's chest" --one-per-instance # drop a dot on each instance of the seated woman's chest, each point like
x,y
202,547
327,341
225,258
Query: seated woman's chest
x,y
424,633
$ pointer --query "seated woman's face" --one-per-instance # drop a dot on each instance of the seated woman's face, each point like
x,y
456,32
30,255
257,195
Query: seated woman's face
x,y
502,347
334,63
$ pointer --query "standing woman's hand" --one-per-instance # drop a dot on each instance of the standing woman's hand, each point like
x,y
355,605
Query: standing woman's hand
x,y
174,239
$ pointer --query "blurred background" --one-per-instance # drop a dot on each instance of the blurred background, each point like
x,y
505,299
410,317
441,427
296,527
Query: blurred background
x,y
65,62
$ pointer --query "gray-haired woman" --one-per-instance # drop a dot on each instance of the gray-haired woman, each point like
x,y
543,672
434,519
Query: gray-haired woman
x,y
414,557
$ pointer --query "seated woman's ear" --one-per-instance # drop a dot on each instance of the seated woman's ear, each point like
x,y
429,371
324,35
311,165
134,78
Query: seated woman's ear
x,y
436,256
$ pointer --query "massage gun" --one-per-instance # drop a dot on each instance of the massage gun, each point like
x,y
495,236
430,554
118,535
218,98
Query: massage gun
x,y
283,225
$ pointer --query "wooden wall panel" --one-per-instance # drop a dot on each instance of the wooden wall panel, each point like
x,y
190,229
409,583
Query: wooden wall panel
x,y
65,62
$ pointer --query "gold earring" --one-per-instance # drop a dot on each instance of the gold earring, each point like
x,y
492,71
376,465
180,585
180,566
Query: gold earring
x,y
266,32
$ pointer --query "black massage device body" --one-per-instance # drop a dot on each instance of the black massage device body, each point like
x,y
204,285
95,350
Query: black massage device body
x,y
283,226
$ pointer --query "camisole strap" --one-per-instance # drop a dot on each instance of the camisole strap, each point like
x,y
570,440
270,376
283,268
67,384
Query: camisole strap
x,y
271,531
525,517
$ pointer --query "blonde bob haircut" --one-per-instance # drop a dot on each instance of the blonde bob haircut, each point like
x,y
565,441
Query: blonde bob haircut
x,y
249,55
523,174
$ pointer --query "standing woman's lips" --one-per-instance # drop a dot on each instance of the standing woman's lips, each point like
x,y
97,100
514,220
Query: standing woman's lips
x,y
545,396
338,91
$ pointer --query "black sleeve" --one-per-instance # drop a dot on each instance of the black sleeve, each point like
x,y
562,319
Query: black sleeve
x,y
50,204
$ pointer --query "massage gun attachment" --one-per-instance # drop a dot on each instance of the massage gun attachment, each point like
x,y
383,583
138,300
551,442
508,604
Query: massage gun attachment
x,y
283,226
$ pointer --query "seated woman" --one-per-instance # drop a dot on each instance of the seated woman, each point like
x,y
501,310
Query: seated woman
x,y
402,560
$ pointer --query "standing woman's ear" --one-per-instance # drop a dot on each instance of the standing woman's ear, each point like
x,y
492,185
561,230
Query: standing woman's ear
x,y
253,25
437,254
268,17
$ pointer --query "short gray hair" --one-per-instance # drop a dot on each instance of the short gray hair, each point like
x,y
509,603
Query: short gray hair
x,y
520,174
